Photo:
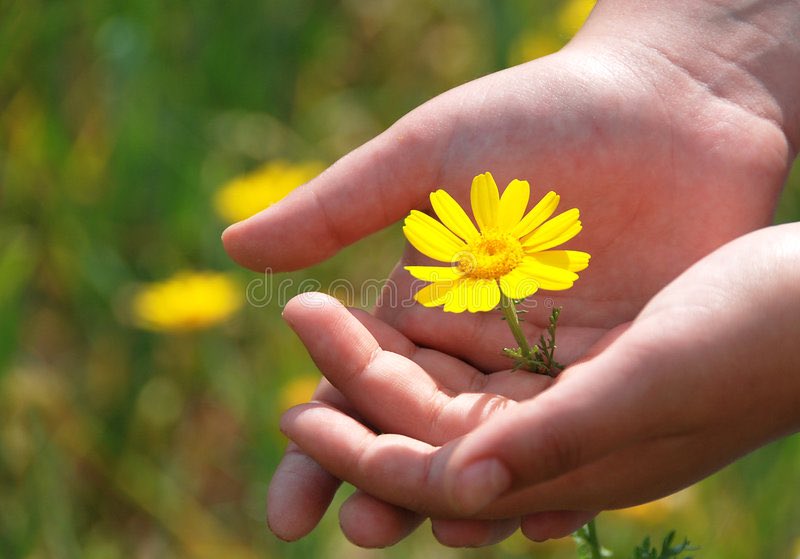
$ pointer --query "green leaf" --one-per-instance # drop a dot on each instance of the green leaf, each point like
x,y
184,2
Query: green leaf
x,y
668,550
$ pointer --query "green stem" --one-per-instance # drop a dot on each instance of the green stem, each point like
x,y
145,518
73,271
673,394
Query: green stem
x,y
594,543
512,318
553,366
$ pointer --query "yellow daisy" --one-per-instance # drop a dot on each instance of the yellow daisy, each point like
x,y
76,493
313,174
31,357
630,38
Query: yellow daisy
x,y
508,252
186,301
248,194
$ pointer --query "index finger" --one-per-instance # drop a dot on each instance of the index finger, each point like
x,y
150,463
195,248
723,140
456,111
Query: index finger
x,y
363,192
398,387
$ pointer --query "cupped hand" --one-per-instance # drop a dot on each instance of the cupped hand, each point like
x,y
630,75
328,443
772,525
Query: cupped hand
x,y
397,387
662,167
702,376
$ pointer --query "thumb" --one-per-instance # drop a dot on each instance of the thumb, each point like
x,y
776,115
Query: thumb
x,y
592,411
366,190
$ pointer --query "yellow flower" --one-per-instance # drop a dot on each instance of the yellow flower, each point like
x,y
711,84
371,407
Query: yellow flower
x,y
508,252
248,194
298,390
574,15
658,510
531,46
550,37
187,301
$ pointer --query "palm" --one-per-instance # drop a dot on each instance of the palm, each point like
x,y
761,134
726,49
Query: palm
x,y
657,186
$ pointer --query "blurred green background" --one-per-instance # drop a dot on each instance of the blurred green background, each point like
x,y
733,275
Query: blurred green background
x,y
119,124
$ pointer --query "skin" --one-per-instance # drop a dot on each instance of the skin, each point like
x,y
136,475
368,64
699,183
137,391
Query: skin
x,y
672,128
650,394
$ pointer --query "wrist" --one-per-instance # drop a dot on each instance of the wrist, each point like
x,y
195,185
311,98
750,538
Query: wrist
x,y
742,53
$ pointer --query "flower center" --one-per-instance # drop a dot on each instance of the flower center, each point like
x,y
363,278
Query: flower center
x,y
491,256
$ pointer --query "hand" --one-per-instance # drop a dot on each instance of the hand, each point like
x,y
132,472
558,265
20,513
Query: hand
x,y
401,388
624,125
702,376
657,161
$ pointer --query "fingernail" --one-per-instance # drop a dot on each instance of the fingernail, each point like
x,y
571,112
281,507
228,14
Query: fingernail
x,y
481,483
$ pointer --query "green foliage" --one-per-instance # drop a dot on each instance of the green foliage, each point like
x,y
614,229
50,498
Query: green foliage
x,y
588,544
667,551
538,358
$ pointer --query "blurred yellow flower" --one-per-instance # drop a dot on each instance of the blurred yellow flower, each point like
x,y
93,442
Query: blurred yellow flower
x,y
187,301
536,43
298,390
532,45
250,193
658,510
573,15
508,252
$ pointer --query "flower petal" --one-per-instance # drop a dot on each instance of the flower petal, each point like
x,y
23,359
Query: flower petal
x,y
484,295
513,204
485,200
473,295
456,299
517,284
548,277
558,230
430,237
434,294
434,273
538,215
572,260
453,216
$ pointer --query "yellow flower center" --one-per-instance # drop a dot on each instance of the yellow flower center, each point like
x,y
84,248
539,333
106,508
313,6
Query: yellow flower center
x,y
491,256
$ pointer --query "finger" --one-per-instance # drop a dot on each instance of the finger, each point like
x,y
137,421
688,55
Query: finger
x,y
370,522
582,418
301,490
352,360
393,468
327,328
433,398
299,493
391,391
452,375
368,189
412,475
472,533
631,476
543,526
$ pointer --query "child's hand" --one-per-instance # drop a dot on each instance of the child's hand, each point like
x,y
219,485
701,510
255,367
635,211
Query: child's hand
x,y
397,387
701,377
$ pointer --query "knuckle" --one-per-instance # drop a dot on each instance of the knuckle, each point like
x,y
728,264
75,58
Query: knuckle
x,y
557,450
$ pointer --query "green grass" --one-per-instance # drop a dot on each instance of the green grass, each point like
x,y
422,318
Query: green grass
x,y
118,121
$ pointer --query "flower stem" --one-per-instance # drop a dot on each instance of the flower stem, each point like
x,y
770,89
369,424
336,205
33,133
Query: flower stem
x,y
593,541
512,318
538,358
588,543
